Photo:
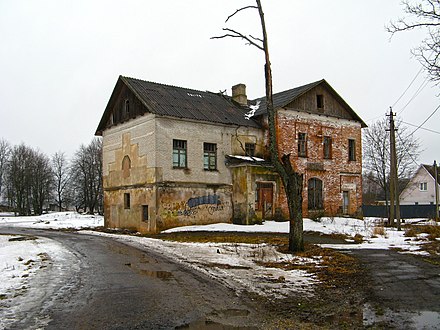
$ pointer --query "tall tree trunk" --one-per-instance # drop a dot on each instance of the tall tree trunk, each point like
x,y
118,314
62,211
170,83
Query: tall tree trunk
x,y
292,181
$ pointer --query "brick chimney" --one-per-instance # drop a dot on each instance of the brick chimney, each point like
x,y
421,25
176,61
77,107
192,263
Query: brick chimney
x,y
239,94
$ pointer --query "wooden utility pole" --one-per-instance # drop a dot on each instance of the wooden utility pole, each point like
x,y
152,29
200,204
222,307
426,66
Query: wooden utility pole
x,y
436,190
394,188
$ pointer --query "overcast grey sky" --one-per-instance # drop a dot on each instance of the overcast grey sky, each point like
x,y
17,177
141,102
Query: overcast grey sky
x,y
59,59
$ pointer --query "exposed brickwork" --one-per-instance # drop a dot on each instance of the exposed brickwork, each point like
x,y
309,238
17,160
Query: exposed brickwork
x,y
338,174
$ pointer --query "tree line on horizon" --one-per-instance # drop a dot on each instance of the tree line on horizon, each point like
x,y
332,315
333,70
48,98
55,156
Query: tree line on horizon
x,y
32,182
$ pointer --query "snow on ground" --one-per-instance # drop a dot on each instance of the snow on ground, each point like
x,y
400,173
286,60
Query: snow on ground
x,y
238,266
347,226
56,220
235,265
23,261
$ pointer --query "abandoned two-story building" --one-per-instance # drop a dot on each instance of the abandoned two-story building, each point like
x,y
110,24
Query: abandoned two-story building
x,y
174,156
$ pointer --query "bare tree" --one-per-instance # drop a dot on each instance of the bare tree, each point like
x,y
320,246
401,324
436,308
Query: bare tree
x,y
376,154
41,181
87,177
61,173
292,181
425,15
4,157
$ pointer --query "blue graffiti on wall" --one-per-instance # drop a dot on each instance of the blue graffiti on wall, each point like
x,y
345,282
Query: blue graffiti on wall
x,y
203,200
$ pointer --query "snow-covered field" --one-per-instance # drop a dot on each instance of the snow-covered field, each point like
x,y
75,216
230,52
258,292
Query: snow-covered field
x,y
236,265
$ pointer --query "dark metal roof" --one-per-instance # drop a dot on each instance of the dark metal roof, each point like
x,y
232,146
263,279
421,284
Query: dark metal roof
x,y
431,170
187,103
282,99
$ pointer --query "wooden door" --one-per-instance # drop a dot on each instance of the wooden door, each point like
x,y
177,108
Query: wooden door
x,y
265,200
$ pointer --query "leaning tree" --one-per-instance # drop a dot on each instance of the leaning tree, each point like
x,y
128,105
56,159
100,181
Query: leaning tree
x,y
292,180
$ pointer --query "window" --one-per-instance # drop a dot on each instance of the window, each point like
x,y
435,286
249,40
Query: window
x,y
126,200
144,212
302,145
423,186
249,149
320,101
314,188
127,107
179,154
327,147
209,156
351,150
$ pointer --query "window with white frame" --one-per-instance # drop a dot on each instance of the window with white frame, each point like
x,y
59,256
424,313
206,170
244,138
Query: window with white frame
x,y
423,186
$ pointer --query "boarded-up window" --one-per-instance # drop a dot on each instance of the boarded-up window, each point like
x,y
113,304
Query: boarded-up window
x,y
327,147
126,200
315,198
302,145
179,154
209,156
144,212
126,166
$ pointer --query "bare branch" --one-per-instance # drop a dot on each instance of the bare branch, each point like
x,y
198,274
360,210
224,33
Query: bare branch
x,y
234,34
238,10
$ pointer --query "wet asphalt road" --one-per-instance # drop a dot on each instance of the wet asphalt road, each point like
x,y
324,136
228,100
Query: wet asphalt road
x,y
109,285
405,290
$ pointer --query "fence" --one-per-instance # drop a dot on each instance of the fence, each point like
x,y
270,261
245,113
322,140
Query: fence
x,y
406,211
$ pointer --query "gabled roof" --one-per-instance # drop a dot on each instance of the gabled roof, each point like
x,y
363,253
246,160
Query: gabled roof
x,y
282,99
166,100
431,170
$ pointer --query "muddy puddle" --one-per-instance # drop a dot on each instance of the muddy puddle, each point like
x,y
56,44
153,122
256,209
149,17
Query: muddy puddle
x,y
400,319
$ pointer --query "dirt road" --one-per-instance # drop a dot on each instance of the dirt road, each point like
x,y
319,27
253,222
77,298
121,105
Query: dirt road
x,y
109,285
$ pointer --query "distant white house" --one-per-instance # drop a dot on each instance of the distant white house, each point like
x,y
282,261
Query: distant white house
x,y
420,190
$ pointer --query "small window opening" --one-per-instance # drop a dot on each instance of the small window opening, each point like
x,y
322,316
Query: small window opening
x,y
320,101
179,154
351,150
327,147
144,212
210,156
249,149
127,107
423,186
126,200
302,145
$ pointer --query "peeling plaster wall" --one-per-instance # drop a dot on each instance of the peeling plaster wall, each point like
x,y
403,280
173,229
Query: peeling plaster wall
x,y
182,205
129,167
196,133
338,174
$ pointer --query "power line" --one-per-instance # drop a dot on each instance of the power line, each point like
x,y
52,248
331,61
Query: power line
x,y
425,129
410,84
421,87
425,120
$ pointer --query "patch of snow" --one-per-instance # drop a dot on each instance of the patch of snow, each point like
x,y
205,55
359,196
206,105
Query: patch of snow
x,y
30,267
56,220
251,112
249,158
238,266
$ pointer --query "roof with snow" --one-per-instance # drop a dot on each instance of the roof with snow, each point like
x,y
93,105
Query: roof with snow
x,y
166,100
283,99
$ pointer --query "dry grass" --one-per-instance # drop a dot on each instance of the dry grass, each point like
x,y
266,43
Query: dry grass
x,y
379,231
432,231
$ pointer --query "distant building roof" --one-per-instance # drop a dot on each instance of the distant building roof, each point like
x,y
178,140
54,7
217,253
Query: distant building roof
x,y
431,170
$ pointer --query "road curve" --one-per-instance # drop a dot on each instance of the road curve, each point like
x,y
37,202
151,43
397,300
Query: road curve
x,y
106,284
